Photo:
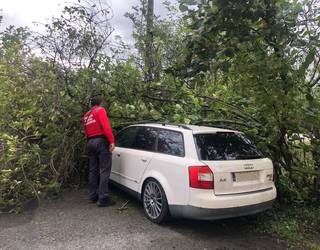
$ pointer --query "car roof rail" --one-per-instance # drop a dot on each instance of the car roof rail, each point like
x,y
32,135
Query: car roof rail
x,y
157,122
173,124
184,126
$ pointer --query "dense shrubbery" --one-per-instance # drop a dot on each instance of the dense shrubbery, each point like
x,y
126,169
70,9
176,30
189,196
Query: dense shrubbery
x,y
256,70
39,127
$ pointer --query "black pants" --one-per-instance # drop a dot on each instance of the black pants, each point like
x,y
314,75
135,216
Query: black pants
x,y
100,161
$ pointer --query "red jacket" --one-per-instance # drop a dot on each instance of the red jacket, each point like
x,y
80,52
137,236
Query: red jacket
x,y
96,123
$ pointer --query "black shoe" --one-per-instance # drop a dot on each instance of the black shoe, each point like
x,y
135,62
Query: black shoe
x,y
106,202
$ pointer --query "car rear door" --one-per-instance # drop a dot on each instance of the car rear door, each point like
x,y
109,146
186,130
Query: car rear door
x,y
134,160
170,163
237,165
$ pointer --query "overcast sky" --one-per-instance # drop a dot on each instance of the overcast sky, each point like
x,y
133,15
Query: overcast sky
x,y
27,12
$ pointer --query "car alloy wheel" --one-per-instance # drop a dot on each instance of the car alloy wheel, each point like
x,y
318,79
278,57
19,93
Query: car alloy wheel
x,y
155,202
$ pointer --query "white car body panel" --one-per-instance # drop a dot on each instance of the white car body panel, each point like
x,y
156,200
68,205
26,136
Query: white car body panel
x,y
226,171
172,173
205,199
131,166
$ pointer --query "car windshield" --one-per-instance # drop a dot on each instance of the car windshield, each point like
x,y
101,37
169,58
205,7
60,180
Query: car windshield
x,y
225,146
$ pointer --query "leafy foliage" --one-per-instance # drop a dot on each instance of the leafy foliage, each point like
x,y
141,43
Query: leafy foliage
x,y
168,35
298,224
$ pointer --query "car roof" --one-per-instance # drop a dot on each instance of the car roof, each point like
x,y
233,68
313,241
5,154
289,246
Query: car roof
x,y
181,127
204,129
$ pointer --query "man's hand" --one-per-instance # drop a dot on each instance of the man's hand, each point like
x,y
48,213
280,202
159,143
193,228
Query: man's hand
x,y
112,147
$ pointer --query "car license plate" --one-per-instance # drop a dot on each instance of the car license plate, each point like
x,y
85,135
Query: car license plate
x,y
246,176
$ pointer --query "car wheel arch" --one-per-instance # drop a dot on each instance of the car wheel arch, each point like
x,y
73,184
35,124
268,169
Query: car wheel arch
x,y
163,182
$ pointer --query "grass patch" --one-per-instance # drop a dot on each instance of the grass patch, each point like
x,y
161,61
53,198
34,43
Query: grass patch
x,y
299,225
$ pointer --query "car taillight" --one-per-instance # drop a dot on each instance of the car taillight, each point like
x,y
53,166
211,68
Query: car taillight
x,y
201,177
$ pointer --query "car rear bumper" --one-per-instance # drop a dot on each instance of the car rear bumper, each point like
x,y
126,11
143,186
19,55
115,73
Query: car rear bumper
x,y
204,205
205,198
198,213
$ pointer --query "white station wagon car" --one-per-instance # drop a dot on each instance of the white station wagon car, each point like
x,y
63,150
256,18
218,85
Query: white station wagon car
x,y
194,172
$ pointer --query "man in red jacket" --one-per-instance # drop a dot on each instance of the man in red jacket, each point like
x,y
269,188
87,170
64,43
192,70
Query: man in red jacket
x,y
100,145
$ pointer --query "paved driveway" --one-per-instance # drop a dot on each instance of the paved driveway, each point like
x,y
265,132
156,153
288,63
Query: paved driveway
x,y
70,222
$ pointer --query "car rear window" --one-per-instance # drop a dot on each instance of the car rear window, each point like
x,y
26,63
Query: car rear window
x,y
225,146
145,139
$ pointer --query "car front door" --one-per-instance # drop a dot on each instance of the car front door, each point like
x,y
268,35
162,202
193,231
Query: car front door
x,y
134,160
124,140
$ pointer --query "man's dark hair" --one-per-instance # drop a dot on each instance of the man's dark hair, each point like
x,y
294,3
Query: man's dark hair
x,y
96,100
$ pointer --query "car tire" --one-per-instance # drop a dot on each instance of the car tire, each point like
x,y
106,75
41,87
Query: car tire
x,y
155,204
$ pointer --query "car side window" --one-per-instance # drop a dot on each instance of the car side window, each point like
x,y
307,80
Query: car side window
x,y
126,137
170,142
145,139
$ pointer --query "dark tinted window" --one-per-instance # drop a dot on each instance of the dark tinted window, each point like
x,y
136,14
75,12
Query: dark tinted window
x,y
225,146
126,137
145,139
170,142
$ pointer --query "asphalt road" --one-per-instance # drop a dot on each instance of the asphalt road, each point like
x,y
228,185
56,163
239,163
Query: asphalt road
x,y
70,222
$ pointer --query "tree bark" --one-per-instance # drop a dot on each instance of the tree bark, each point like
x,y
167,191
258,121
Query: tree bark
x,y
149,64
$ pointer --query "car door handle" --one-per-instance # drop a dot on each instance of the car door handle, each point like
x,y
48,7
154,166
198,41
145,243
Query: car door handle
x,y
144,160
118,155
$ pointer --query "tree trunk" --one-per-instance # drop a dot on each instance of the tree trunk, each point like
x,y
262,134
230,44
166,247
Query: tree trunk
x,y
149,64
